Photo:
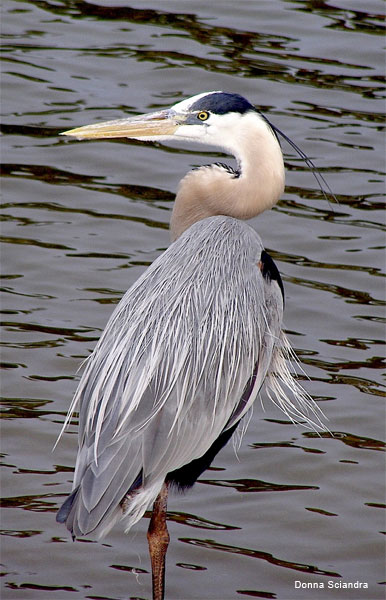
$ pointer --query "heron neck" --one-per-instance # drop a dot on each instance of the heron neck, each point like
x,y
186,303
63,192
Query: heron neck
x,y
212,190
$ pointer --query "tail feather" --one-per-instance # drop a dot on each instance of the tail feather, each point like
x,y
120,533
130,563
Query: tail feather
x,y
64,511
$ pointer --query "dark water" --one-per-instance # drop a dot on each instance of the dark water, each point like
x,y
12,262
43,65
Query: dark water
x,y
82,221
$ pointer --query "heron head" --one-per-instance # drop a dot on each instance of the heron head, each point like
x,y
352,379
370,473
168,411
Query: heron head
x,y
225,120
210,118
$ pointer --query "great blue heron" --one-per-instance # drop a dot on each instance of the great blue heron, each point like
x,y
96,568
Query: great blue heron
x,y
188,348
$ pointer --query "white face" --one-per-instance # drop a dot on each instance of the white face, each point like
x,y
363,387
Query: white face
x,y
215,130
189,121
194,129
226,131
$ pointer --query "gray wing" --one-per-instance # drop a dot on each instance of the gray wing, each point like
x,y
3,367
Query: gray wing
x,y
170,369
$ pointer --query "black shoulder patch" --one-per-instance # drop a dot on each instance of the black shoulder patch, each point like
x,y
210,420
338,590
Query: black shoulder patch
x,y
235,174
270,270
228,168
221,103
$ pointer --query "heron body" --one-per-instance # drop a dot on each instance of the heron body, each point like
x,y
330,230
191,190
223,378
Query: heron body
x,y
190,345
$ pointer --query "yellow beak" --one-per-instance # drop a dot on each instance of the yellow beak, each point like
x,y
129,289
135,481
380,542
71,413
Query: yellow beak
x,y
150,127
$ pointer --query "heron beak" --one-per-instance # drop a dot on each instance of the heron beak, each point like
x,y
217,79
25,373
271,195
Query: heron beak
x,y
150,126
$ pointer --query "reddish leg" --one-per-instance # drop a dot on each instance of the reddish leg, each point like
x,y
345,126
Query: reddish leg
x,y
158,539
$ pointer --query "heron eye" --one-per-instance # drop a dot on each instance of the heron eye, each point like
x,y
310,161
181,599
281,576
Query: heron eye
x,y
203,115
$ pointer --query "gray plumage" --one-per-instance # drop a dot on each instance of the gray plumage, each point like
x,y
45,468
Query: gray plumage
x,y
198,328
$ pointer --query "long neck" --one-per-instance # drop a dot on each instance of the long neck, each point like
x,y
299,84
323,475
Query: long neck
x,y
212,190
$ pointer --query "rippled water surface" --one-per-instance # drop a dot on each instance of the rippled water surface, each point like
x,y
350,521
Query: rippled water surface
x,y
81,221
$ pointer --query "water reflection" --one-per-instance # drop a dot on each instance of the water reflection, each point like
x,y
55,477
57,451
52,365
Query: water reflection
x,y
80,224
355,441
24,408
344,18
35,503
40,588
197,522
212,545
257,594
253,485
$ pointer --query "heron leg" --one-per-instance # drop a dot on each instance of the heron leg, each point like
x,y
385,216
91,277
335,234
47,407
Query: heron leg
x,y
158,539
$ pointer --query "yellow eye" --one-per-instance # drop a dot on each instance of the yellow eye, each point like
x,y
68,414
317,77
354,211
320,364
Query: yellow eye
x,y
203,115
